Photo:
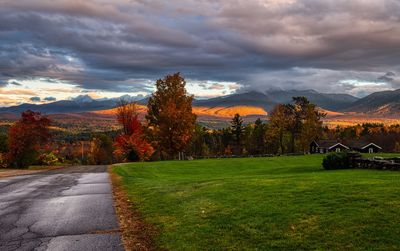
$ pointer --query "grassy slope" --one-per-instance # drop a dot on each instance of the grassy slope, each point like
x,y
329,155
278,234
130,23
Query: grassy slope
x,y
286,203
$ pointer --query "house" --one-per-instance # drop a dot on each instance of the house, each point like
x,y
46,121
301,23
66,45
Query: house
x,y
325,146
363,146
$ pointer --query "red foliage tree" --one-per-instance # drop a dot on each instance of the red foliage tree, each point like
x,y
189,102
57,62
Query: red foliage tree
x,y
26,137
131,145
126,115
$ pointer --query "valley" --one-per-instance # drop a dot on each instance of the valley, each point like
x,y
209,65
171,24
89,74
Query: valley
x,y
84,113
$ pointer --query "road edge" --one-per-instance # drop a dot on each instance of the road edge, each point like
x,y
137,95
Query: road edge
x,y
21,172
136,233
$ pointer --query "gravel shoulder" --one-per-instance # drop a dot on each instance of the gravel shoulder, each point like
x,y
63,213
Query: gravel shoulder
x,y
6,172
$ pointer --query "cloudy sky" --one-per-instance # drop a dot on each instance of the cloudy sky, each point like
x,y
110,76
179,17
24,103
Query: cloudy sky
x,y
52,50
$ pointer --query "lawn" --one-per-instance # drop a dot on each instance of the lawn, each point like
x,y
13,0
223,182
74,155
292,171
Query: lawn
x,y
278,203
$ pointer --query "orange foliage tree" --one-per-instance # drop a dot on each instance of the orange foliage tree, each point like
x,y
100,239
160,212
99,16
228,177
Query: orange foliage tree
x,y
26,138
127,116
170,117
131,145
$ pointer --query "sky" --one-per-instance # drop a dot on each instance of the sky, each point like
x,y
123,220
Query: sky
x,y
53,50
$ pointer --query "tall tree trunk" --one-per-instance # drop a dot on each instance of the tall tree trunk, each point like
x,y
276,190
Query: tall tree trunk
x,y
292,141
281,141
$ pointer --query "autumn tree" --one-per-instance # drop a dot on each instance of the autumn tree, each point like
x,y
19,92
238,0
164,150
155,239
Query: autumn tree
x,y
279,123
3,150
272,144
131,145
226,140
3,143
126,113
397,147
237,129
170,118
102,149
26,138
198,145
311,126
301,120
296,114
257,143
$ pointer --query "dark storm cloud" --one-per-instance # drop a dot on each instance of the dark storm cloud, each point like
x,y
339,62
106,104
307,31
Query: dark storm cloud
x,y
121,45
50,99
14,83
391,78
35,99
388,77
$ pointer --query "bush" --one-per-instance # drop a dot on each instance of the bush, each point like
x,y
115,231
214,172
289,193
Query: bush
x,y
336,160
48,159
3,160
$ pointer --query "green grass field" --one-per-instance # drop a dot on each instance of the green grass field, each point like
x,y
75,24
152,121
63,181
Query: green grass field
x,y
278,203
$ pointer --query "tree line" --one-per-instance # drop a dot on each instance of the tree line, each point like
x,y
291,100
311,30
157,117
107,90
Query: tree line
x,y
289,129
166,132
169,131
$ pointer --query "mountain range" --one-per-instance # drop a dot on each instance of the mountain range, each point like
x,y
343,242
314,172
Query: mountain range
x,y
382,103
269,99
385,102
81,103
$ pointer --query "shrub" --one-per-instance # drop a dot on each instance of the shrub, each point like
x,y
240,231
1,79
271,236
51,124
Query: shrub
x,y
3,160
336,160
48,159
133,148
132,145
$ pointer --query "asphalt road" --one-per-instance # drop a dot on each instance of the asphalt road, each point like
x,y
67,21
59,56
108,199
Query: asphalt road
x,y
66,209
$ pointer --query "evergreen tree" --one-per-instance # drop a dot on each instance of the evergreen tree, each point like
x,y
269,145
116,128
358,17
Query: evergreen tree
x,y
237,133
258,137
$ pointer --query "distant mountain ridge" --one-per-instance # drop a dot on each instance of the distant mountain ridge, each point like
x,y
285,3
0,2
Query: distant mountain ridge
x,y
383,103
249,98
63,106
268,100
81,103
329,101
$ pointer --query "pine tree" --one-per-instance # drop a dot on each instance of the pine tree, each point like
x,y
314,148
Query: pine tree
x,y
237,133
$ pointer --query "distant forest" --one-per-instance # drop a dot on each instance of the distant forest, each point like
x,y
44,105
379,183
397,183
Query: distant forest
x,y
170,131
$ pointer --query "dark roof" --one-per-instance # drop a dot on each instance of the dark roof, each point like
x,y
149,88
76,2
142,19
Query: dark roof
x,y
356,144
326,143
359,144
